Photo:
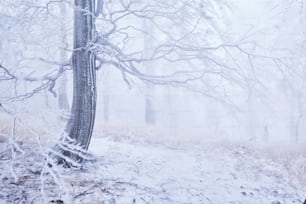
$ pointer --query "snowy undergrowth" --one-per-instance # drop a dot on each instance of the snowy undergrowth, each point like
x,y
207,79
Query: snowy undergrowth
x,y
128,170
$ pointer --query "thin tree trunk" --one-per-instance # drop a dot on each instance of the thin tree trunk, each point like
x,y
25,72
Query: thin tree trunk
x,y
105,95
62,99
62,93
150,118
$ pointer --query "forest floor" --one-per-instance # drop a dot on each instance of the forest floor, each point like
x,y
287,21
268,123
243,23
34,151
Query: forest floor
x,y
128,171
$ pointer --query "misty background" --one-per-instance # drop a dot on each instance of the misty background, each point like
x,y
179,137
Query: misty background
x,y
251,89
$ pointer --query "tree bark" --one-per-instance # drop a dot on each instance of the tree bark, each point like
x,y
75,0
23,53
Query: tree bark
x,y
81,122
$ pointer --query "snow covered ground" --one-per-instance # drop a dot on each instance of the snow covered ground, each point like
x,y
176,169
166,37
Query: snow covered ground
x,y
129,171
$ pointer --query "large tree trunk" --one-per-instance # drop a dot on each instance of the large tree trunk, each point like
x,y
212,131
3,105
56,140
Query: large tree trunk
x,y
80,125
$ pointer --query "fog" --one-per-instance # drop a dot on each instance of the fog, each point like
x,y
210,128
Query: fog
x,y
249,89
152,101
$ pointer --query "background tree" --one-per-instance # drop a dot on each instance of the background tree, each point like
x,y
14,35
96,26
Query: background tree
x,y
62,97
150,114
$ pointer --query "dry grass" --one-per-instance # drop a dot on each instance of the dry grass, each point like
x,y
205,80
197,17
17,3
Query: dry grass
x,y
291,156
27,130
